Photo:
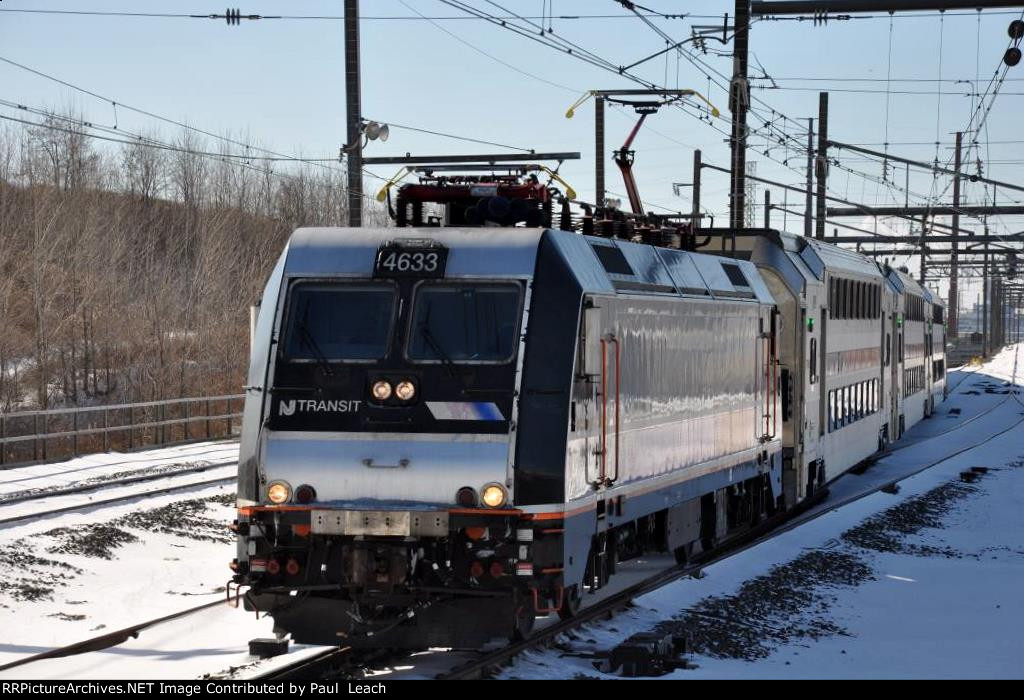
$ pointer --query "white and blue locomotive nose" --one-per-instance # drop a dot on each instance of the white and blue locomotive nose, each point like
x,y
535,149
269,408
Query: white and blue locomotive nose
x,y
349,468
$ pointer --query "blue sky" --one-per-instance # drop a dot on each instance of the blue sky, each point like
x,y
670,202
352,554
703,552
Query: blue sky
x,y
280,83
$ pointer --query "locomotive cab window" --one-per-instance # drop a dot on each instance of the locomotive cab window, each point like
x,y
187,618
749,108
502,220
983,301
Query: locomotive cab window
x,y
471,323
338,322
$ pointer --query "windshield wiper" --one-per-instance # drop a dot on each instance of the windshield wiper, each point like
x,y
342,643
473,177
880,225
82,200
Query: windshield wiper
x,y
436,347
318,355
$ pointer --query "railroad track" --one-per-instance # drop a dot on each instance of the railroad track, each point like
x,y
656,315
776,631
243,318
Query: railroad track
x,y
967,373
110,639
333,661
98,485
116,499
892,448
606,607
481,667
488,663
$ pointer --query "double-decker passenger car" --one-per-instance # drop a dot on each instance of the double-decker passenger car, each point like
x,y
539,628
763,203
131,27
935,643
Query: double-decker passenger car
x,y
859,364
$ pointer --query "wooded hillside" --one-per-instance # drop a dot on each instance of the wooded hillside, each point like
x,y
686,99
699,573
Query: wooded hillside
x,y
126,273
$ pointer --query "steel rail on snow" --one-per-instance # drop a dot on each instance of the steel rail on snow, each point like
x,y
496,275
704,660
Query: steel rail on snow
x,y
335,659
784,522
107,501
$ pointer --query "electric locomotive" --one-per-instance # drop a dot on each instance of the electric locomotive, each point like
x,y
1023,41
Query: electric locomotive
x,y
450,430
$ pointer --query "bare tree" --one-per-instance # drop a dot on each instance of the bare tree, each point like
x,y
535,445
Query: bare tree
x,y
126,274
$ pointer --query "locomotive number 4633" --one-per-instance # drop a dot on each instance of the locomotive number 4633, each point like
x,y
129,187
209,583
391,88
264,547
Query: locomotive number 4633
x,y
393,261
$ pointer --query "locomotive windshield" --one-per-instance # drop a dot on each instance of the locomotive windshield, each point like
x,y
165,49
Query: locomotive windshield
x,y
339,322
464,323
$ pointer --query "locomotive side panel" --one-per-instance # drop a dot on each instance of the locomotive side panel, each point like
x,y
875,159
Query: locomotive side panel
x,y
690,390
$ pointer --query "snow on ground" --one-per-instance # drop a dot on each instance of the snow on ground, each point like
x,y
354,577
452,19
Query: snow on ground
x,y
920,603
111,466
922,583
76,575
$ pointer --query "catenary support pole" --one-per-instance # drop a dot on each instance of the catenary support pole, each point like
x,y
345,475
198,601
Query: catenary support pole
x,y
695,219
954,298
739,98
599,151
808,204
353,115
821,162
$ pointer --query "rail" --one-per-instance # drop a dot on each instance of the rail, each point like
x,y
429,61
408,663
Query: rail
x,y
29,437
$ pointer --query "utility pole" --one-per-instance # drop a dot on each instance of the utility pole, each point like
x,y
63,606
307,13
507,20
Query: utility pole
x,y
994,313
808,211
695,220
998,299
924,258
599,150
822,161
739,97
953,281
353,115
984,300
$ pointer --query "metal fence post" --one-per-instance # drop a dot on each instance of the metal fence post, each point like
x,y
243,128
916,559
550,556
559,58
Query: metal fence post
x,y
45,431
3,434
74,437
106,431
207,419
228,420
131,427
188,416
35,441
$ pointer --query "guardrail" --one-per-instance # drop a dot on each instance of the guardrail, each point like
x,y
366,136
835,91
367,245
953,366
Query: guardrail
x,y
29,437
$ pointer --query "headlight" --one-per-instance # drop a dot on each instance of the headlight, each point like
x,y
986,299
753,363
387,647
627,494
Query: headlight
x,y
405,390
279,492
381,390
494,495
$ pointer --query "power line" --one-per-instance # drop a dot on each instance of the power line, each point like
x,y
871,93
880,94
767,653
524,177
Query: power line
x,y
875,80
148,142
510,66
274,155
457,137
443,18
137,110
825,18
141,139
869,91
